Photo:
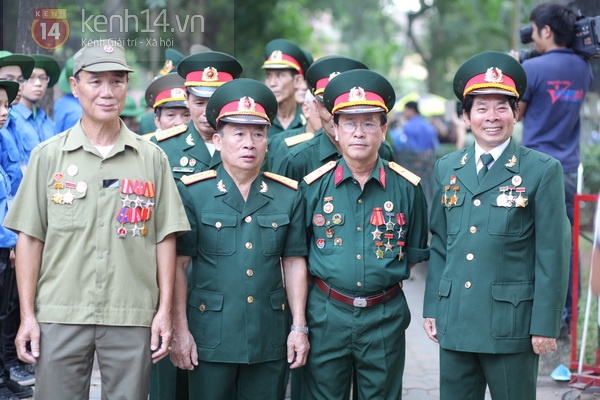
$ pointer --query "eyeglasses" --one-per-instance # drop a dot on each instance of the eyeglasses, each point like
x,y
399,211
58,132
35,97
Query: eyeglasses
x,y
42,78
366,127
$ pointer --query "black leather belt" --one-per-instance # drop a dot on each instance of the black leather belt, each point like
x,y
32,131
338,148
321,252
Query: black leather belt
x,y
361,302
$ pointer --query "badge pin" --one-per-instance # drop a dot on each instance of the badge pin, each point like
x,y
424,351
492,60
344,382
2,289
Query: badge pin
x,y
72,170
183,161
337,241
321,244
388,206
337,219
517,180
81,187
319,220
193,162
59,176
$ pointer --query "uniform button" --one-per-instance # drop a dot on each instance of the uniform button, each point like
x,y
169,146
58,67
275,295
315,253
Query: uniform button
x,y
359,229
218,225
248,245
470,256
250,299
283,307
101,256
249,272
358,257
477,202
360,201
473,229
202,308
102,193
439,293
467,284
274,225
248,219
359,284
101,224
99,286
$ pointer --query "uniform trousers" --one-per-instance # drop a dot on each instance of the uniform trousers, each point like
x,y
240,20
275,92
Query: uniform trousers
x,y
369,341
67,354
464,376
229,381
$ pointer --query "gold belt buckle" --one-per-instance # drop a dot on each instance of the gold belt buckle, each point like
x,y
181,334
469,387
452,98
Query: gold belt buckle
x,y
360,302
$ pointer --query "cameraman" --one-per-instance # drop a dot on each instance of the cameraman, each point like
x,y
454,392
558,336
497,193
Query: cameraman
x,y
557,82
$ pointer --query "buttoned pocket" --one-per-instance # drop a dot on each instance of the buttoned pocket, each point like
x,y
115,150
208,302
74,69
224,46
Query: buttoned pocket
x,y
505,218
67,211
454,211
279,320
512,303
443,307
273,230
218,233
205,317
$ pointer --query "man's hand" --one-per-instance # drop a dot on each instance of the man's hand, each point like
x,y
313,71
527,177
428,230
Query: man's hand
x,y
429,326
542,344
184,354
297,349
161,333
28,334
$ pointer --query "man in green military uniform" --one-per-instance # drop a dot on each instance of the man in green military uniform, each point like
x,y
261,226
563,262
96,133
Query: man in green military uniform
x,y
366,220
192,150
246,227
166,95
498,273
310,155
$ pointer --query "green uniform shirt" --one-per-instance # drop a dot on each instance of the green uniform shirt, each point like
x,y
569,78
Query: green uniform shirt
x,y
188,153
308,156
346,250
278,149
72,199
236,303
298,121
499,251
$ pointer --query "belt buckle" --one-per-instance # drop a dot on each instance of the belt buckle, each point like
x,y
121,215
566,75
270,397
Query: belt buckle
x,y
359,302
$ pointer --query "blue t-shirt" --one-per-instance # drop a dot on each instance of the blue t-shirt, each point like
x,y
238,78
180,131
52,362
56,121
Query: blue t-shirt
x,y
10,160
417,134
25,131
67,112
8,238
557,82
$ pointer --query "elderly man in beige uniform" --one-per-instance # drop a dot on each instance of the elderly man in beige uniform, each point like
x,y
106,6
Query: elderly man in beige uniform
x,y
97,215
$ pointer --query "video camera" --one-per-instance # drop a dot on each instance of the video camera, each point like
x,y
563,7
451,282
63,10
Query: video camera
x,y
586,42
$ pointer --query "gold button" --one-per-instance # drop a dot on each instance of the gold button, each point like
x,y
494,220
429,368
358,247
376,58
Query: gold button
x,y
470,256
274,225
477,202
248,219
473,229
218,225
358,257
249,272
248,245
467,284
359,284
360,201
283,307
202,308
359,229
439,293
250,299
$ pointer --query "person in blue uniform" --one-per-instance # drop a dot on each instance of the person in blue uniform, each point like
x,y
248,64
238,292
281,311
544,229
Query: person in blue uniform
x,y
230,319
500,246
67,109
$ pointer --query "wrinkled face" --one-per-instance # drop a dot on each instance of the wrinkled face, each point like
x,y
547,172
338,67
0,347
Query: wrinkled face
x,y
360,136
491,120
326,119
101,94
172,116
13,73
282,83
36,86
3,107
197,107
243,146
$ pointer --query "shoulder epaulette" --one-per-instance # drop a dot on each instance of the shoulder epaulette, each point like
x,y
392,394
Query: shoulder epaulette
x,y
319,172
297,139
169,133
149,136
200,176
282,179
403,172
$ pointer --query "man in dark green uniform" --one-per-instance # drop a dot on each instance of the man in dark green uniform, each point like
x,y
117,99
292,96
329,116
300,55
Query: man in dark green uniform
x,y
366,220
247,226
497,278
166,95
310,155
192,150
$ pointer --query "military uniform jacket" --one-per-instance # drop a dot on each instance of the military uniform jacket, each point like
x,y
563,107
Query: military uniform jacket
x,y
298,122
237,303
500,250
361,241
187,153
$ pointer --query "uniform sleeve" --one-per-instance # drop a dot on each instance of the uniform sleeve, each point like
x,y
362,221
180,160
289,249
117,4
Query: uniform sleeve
x,y
295,242
11,160
418,232
188,242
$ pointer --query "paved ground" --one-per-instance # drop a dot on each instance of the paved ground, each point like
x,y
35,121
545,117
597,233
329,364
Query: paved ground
x,y
421,372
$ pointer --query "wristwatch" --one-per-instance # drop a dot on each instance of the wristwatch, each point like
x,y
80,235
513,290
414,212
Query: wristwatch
x,y
301,329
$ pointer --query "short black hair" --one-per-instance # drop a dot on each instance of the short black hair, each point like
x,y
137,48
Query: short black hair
x,y
413,105
559,18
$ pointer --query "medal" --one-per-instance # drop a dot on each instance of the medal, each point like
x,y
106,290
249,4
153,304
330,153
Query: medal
x,y
337,241
329,233
81,187
389,225
72,170
319,220
520,201
58,176
453,180
379,253
320,244
183,161
192,162
337,219
388,206
401,252
122,232
376,234
388,245
377,217
516,180
328,207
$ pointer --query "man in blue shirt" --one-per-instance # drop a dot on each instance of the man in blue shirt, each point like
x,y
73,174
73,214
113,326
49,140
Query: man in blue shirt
x,y
417,134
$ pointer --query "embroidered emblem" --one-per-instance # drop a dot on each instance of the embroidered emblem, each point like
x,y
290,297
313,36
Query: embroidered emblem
x,y
463,160
494,75
221,186
511,161
356,94
108,49
263,187
210,74
276,55
177,92
333,75
246,104
189,140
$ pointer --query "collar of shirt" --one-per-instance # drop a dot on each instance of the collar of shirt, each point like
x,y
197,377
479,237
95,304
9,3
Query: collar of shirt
x,y
342,172
496,152
76,138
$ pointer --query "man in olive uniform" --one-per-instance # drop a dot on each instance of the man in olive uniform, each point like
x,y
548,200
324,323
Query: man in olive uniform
x,y
366,220
497,278
246,227
310,155
190,149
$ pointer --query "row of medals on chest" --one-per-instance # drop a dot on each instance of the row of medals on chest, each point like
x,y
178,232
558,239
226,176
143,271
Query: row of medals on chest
x,y
62,197
507,198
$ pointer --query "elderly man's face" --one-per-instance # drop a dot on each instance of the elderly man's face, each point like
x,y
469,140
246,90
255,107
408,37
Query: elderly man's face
x,y
101,94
